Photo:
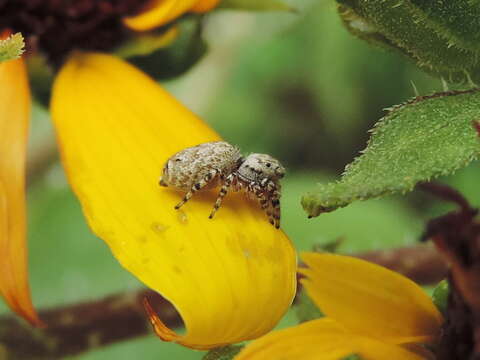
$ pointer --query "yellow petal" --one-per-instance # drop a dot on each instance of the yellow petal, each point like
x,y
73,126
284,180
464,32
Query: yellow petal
x,y
420,350
370,300
372,349
14,119
205,5
231,278
158,13
322,339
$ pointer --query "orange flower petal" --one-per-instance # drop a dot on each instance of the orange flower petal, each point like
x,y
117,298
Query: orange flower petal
x,y
322,339
370,300
158,13
371,349
203,6
14,120
420,350
231,278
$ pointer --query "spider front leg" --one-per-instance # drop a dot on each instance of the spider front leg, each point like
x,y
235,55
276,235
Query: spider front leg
x,y
198,186
265,203
267,207
264,198
274,204
223,191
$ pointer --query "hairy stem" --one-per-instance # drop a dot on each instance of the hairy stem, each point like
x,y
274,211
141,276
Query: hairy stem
x,y
78,328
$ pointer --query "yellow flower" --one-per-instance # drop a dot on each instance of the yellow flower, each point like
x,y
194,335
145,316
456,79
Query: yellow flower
x,y
231,278
15,105
370,311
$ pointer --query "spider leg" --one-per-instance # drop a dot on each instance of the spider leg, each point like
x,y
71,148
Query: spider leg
x,y
223,191
275,205
198,186
264,198
269,211
264,203
261,196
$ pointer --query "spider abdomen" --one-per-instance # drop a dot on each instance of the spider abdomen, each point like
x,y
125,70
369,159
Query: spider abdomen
x,y
189,166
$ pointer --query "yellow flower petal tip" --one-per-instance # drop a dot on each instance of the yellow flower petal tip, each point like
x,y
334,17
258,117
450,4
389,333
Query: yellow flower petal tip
x,y
161,12
231,278
371,300
321,339
162,331
14,120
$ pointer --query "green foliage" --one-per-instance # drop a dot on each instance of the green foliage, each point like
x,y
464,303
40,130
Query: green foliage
x,y
255,5
41,76
330,246
361,28
286,89
440,36
175,59
440,295
12,47
352,357
145,44
458,21
371,224
223,353
306,309
417,141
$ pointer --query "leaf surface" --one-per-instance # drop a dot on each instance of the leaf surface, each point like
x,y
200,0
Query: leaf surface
x,y
422,139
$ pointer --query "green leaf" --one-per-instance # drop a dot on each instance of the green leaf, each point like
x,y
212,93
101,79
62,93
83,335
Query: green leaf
x,y
223,353
440,296
458,21
361,28
145,44
12,47
187,49
256,5
427,137
406,27
398,22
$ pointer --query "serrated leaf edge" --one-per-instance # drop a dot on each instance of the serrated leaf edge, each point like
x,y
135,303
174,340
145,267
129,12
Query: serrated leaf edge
x,y
308,201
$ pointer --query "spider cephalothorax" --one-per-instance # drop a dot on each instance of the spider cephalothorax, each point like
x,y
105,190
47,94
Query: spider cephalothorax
x,y
219,163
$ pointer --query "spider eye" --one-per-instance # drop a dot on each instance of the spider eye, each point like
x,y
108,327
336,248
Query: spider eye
x,y
268,165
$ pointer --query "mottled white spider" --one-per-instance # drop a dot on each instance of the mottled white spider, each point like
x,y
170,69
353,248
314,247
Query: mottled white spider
x,y
218,163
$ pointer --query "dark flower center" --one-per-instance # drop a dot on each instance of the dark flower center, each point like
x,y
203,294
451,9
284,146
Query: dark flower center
x,y
54,27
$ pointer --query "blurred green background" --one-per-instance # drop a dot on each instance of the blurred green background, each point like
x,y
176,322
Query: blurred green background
x,y
297,86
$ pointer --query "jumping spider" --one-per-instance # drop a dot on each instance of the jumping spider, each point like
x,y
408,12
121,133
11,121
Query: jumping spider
x,y
219,163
